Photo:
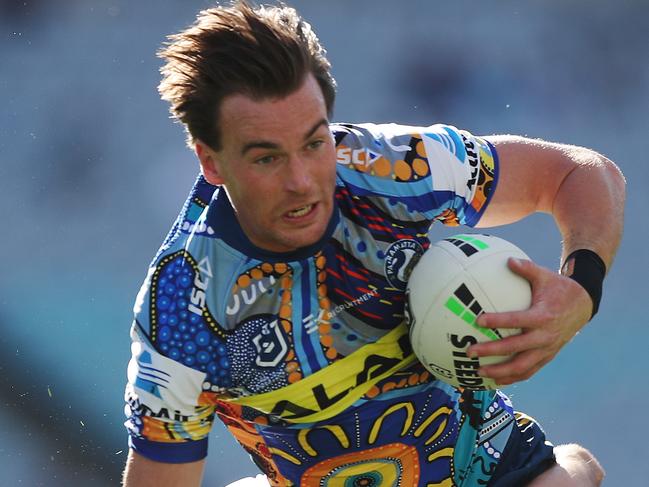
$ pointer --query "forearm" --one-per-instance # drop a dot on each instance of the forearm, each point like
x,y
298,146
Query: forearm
x,y
142,472
589,206
582,190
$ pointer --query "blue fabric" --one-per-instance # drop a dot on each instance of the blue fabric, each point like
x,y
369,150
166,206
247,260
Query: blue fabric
x,y
527,455
158,451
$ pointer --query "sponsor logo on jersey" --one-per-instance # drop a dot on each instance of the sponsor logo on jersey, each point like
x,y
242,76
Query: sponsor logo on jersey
x,y
473,160
331,390
363,158
201,282
164,413
311,322
400,257
351,304
249,295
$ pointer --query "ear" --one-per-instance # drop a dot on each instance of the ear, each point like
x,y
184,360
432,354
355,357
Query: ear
x,y
209,163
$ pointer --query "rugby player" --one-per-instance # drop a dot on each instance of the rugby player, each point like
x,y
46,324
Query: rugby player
x,y
276,303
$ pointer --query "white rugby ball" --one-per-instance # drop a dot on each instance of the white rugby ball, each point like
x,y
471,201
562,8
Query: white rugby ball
x,y
453,282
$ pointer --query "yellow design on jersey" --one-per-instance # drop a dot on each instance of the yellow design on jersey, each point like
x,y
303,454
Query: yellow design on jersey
x,y
337,431
410,412
444,452
331,390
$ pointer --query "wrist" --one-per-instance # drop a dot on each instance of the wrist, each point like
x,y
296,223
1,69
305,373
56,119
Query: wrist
x,y
588,270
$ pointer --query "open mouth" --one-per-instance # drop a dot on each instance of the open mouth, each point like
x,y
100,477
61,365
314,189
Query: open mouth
x,y
300,212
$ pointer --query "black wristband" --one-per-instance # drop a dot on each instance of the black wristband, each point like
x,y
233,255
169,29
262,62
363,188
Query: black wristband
x,y
588,269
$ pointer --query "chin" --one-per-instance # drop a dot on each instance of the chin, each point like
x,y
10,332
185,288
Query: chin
x,y
298,242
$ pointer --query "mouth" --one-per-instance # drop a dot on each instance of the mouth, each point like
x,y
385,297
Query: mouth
x,y
301,212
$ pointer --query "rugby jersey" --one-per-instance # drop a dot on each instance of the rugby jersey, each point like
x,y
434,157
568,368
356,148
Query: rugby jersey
x,y
304,356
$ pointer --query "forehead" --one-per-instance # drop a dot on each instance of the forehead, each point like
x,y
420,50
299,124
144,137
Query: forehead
x,y
243,118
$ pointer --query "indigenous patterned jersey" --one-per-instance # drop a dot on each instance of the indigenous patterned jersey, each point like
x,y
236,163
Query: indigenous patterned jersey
x,y
305,356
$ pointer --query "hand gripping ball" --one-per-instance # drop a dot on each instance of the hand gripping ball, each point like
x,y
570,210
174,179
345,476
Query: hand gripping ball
x,y
453,282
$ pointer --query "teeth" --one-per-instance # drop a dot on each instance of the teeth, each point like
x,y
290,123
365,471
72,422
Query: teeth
x,y
300,211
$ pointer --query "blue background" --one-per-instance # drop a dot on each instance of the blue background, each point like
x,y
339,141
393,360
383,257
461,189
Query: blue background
x,y
93,172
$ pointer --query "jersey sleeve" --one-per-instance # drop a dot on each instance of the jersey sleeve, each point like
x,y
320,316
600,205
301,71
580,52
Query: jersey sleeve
x,y
168,416
436,173
166,421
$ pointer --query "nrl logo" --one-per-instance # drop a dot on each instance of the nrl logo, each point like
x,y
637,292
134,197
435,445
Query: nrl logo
x,y
270,344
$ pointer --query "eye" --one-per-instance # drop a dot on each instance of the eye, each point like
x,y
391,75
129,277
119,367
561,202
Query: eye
x,y
314,145
262,161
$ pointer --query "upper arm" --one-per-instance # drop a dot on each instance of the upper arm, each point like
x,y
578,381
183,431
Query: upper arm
x,y
142,472
529,177
168,414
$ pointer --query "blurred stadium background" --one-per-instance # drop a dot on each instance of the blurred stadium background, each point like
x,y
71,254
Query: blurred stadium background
x,y
92,173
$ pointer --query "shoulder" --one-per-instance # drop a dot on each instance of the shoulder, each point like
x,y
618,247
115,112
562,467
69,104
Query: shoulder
x,y
397,141
404,153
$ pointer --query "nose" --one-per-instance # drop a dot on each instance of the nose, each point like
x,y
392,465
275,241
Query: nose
x,y
298,178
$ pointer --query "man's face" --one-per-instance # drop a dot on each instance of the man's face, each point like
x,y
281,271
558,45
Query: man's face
x,y
277,163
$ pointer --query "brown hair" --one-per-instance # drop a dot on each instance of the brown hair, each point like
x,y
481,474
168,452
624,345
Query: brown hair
x,y
259,52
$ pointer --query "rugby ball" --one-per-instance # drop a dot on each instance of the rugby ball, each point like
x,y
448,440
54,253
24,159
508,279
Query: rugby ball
x,y
453,282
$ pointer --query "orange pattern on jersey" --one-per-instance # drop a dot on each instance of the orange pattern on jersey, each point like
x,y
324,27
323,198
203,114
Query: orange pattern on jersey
x,y
393,464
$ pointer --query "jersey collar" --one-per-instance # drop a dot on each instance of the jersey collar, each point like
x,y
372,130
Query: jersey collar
x,y
222,218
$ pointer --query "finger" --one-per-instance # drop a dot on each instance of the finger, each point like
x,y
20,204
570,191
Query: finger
x,y
506,346
525,268
508,381
521,367
507,319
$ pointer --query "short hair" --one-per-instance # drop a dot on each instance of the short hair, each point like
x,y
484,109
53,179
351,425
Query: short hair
x,y
262,52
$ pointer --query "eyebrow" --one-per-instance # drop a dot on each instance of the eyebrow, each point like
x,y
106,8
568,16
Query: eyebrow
x,y
264,144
